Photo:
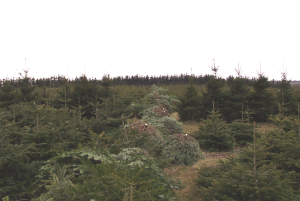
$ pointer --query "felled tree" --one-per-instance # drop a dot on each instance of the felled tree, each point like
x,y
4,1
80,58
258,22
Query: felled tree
x,y
161,105
160,97
172,145
182,149
136,109
171,126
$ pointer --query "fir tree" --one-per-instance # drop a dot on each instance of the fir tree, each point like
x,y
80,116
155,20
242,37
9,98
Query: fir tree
x,y
241,132
261,100
7,94
213,133
62,100
83,93
234,101
190,103
213,92
285,96
26,88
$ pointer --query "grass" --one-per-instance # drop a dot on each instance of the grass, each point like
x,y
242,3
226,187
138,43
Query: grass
x,y
188,126
263,127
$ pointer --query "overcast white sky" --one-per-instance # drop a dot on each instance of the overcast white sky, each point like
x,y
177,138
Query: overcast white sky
x,y
156,37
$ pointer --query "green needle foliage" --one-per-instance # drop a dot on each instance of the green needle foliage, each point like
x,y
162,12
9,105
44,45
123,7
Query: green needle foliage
x,y
239,183
43,122
214,134
132,174
176,147
234,100
17,171
59,184
7,94
189,107
171,126
27,90
182,149
31,134
285,96
261,100
241,132
267,170
160,97
214,92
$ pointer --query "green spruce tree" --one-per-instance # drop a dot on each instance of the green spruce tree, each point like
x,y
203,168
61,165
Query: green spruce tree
x,y
213,133
83,93
213,92
190,103
7,94
234,100
26,88
286,97
261,100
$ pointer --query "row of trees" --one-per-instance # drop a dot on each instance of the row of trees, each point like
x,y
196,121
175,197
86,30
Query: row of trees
x,y
234,98
82,96
57,81
238,101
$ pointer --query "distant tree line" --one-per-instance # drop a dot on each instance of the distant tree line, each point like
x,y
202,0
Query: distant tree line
x,y
57,81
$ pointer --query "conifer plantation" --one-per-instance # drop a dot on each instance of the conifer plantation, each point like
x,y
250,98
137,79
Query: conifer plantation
x,y
113,138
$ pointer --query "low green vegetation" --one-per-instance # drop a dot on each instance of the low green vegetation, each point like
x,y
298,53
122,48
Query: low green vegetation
x,y
96,140
268,169
89,151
